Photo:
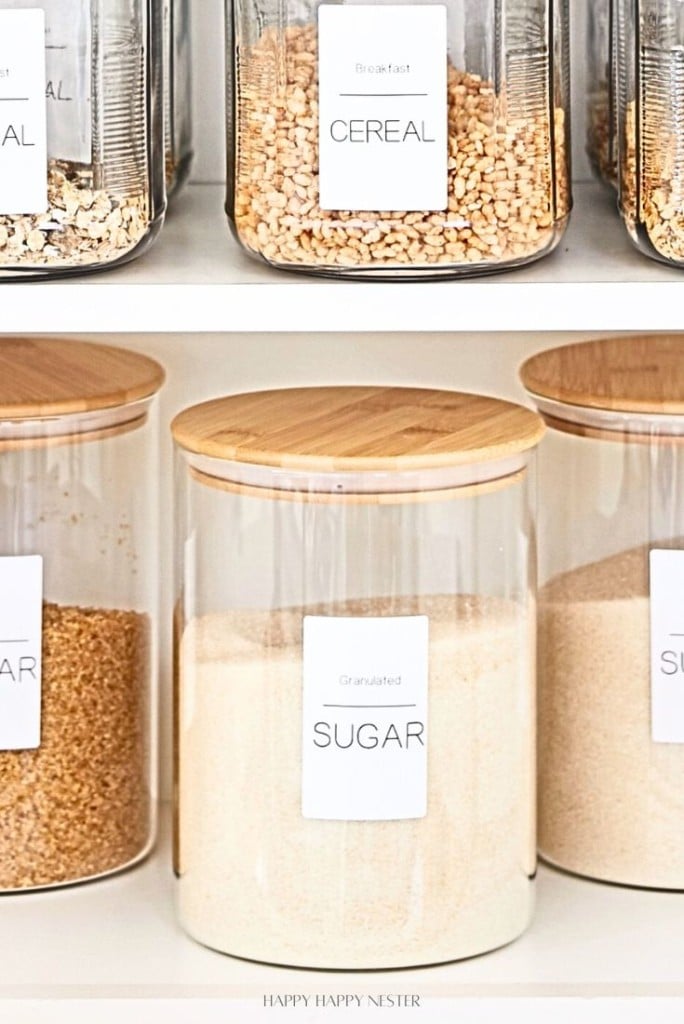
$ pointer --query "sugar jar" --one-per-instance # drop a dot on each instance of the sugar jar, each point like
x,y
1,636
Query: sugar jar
x,y
354,710
398,140
611,608
81,160
78,600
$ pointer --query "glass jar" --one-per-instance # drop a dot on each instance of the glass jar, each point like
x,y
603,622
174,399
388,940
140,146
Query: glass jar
x,y
355,680
81,173
601,99
386,140
78,597
611,608
651,115
177,94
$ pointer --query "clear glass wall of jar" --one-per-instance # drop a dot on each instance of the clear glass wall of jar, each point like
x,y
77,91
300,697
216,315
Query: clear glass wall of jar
x,y
177,94
82,184
398,140
651,114
354,675
601,92
611,608
78,591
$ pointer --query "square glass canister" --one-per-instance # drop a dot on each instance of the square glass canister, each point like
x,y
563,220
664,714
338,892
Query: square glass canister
x,y
398,140
650,45
81,134
355,675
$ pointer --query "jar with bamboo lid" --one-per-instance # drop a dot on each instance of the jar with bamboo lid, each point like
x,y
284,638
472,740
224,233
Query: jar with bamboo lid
x,y
78,608
611,608
81,134
355,675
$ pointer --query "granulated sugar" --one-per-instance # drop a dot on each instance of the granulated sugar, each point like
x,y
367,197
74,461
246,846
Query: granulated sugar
x,y
260,881
611,800
79,805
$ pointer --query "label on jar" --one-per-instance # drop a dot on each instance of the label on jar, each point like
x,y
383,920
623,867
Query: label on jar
x,y
667,646
21,622
382,107
67,83
23,150
365,702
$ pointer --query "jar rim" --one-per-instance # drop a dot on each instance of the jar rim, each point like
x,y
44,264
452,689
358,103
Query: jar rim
x,y
368,487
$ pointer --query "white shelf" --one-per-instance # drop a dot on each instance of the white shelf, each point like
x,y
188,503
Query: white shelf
x,y
118,939
196,279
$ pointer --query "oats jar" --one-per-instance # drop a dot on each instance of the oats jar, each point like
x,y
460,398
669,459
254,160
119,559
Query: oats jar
x,y
81,160
177,94
398,140
355,675
651,118
611,608
78,610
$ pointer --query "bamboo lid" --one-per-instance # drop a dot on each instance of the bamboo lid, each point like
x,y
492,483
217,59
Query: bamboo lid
x,y
633,374
42,377
338,429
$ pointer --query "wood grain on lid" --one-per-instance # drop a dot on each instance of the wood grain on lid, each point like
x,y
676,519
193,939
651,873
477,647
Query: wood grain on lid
x,y
640,374
55,376
357,428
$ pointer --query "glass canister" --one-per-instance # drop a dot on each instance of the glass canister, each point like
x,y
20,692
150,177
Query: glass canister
x,y
177,94
355,676
78,597
81,134
396,140
601,90
651,115
611,608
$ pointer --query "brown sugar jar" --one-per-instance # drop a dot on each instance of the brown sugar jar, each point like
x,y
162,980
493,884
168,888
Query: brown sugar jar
x,y
78,596
611,608
398,141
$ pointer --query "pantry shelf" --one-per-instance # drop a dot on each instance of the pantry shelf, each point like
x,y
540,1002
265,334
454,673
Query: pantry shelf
x,y
98,944
196,279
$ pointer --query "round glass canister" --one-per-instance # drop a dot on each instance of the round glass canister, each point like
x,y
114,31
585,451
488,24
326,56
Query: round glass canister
x,y
651,115
355,679
611,608
601,89
177,94
81,133
397,140
78,596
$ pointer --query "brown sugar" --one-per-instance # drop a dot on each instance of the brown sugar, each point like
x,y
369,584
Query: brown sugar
x,y
79,805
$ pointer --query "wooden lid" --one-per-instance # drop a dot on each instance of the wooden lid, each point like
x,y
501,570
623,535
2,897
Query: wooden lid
x,y
638,374
54,377
338,429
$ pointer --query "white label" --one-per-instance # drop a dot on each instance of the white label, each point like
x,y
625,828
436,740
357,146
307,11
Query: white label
x,y
383,107
68,47
23,147
21,620
364,755
667,646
